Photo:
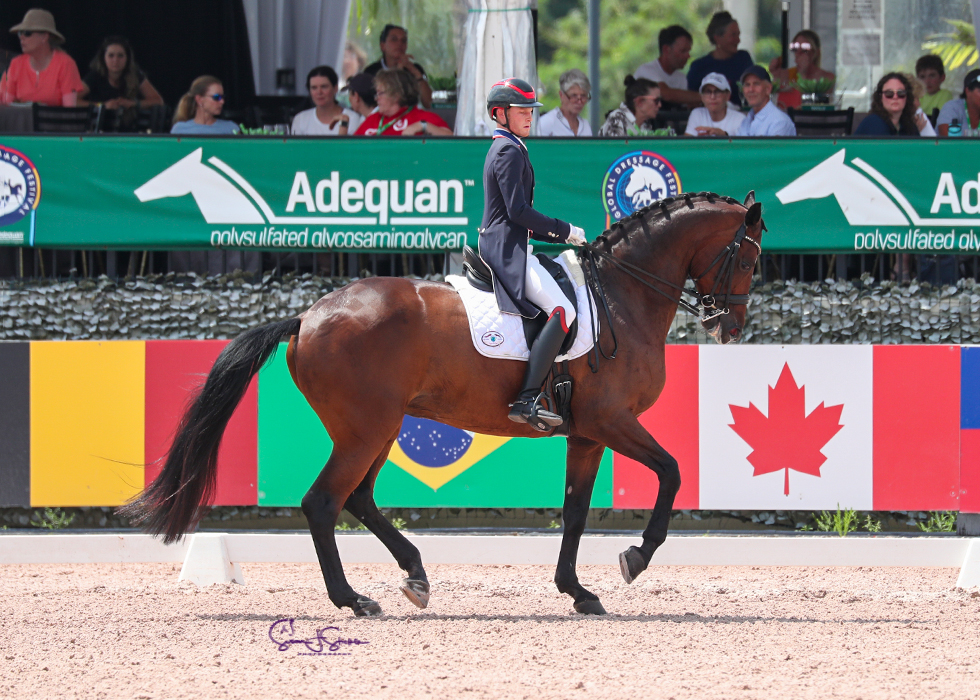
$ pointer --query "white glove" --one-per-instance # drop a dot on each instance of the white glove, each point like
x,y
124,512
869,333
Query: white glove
x,y
576,236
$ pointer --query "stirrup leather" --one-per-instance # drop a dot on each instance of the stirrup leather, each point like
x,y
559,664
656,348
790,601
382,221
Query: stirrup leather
x,y
532,412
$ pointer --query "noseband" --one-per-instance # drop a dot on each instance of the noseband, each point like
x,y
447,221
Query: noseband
x,y
705,306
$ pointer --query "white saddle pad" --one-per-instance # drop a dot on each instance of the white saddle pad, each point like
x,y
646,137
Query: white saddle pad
x,y
501,335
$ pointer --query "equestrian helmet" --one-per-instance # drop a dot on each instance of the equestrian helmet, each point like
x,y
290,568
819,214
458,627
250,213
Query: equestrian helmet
x,y
512,92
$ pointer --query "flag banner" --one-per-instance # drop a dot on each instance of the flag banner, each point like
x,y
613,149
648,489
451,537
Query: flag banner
x,y
752,427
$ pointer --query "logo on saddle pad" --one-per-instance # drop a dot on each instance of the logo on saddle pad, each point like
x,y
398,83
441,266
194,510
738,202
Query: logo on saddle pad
x,y
492,339
636,180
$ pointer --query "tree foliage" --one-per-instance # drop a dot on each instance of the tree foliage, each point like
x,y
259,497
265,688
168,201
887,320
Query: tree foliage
x,y
957,48
628,39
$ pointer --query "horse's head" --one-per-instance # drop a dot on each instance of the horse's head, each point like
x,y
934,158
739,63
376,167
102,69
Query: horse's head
x,y
818,182
725,262
175,181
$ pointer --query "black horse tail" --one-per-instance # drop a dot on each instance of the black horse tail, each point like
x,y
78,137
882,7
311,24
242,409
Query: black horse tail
x,y
180,496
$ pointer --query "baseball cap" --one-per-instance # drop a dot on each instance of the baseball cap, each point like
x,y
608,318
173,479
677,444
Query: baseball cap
x,y
758,71
716,79
362,84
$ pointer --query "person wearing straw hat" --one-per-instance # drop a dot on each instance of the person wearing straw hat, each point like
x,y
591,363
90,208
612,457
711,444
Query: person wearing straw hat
x,y
43,72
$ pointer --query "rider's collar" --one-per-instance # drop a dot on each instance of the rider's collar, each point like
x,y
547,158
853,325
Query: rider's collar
x,y
499,133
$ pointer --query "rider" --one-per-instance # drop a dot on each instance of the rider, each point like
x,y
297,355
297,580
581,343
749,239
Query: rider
x,y
521,285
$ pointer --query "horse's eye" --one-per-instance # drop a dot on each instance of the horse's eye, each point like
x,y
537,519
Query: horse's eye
x,y
745,266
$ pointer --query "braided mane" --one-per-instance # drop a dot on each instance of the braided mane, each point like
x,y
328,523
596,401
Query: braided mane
x,y
665,206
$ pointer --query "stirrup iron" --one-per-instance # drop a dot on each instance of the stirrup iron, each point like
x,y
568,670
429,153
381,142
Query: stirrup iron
x,y
536,415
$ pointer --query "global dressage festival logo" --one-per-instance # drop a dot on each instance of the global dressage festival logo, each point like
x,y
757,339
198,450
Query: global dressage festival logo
x,y
20,186
635,180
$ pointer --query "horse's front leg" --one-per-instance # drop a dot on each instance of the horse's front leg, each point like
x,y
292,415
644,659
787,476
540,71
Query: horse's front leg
x,y
624,434
582,465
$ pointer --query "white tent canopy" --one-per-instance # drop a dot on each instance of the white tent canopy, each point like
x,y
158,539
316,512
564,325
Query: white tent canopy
x,y
498,44
297,34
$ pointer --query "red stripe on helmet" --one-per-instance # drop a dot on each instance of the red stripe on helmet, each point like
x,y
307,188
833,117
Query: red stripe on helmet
x,y
529,95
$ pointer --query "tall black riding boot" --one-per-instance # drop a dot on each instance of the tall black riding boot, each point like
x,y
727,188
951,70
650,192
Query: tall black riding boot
x,y
527,408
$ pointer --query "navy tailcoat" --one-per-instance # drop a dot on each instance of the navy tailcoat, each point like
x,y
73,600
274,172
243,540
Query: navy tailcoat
x,y
509,221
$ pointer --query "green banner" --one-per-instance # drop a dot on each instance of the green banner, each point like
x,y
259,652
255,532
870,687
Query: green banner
x,y
452,468
413,195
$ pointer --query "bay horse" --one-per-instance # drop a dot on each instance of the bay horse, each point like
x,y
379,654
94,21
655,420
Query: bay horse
x,y
377,349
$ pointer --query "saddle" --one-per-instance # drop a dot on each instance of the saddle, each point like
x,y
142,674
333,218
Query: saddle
x,y
478,275
558,385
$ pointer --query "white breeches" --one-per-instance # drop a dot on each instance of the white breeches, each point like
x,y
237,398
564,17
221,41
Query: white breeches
x,y
541,289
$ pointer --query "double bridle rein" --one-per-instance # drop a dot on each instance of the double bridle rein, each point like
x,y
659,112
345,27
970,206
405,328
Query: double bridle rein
x,y
705,306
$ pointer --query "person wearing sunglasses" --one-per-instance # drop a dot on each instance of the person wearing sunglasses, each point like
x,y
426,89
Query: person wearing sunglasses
x,y
718,117
398,112
892,109
965,110
43,73
639,107
806,53
198,110
574,91
764,118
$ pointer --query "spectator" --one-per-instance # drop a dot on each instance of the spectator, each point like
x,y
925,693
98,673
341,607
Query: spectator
x,y
43,72
806,53
360,90
394,54
718,117
668,70
764,118
965,110
198,110
398,112
892,109
726,59
326,117
115,80
640,105
930,70
574,91
354,61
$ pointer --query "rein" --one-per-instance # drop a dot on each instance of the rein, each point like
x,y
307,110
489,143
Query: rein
x,y
703,303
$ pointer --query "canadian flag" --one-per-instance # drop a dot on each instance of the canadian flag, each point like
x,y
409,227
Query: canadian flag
x,y
805,427
786,427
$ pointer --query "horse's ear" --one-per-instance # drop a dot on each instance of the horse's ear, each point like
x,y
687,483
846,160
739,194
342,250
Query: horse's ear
x,y
749,199
754,214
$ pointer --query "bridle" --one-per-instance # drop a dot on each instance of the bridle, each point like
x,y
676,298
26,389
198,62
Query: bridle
x,y
705,306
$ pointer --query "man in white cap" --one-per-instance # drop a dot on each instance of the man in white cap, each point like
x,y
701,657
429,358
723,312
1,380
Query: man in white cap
x,y
718,117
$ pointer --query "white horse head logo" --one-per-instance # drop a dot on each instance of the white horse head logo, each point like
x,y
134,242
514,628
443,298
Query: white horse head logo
x,y
645,187
861,200
219,201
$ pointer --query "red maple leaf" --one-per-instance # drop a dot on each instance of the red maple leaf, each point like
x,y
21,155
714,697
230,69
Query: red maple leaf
x,y
788,438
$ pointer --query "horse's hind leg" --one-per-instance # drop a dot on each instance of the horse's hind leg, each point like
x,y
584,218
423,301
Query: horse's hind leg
x,y
583,461
349,463
361,505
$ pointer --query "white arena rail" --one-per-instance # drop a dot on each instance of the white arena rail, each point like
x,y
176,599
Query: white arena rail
x,y
213,557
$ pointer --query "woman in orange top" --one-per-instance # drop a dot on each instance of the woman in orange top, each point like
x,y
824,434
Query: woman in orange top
x,y
806,52
43,72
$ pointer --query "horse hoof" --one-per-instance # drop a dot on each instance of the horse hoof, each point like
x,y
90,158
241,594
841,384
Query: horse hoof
x,y
590,607
365,607
416,591
631,564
